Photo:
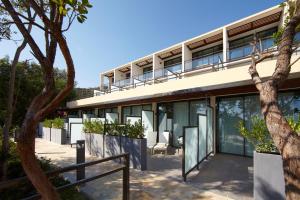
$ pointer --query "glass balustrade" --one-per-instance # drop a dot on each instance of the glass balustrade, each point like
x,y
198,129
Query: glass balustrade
x,y
202,62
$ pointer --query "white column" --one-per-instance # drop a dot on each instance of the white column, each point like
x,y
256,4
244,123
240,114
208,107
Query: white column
x,y
101,81
157,64
186,56
120,114
225,45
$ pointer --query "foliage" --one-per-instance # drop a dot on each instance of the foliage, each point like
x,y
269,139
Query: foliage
x,y
292,8
29,83
47,123
136,130
94,126
58,123
295,125
113,129
15,170
259,135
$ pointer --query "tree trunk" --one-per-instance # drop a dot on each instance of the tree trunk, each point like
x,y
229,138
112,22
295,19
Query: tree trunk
x,y
31,166
9,111
285,139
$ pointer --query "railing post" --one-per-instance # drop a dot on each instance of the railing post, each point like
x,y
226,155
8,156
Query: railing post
x,y
80,158
126,178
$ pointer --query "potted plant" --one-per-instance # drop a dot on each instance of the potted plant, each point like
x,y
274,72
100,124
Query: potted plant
x,y
113,133
93,134
47,124
58,133
268,170
135,144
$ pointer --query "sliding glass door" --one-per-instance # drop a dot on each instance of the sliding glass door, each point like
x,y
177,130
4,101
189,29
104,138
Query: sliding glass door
x,y
230,113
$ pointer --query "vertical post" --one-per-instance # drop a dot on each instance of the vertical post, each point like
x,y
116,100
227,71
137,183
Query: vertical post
x,y
225,46
80,158
126,178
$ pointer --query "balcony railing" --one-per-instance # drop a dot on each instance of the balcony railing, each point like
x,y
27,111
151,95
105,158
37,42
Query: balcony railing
x,y
203,62
168,71
123,83
144,77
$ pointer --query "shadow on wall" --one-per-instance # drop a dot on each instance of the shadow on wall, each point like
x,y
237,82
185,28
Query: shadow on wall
x,y
266,192
112,145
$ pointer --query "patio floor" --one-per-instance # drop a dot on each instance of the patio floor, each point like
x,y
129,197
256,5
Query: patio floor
x,y
222,177
227,175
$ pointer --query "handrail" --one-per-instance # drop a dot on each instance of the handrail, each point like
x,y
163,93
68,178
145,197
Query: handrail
x,y
124,168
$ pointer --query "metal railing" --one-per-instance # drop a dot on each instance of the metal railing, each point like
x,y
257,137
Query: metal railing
x,y
124,167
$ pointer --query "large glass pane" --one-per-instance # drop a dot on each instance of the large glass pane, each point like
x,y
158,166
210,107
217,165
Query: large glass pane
x,y
136,111
125,113
190,144
286,103
252,109
180,119
147,107
230,113
196,107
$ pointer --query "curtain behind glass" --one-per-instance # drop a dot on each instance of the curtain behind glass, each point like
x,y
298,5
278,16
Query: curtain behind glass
x,y
180,119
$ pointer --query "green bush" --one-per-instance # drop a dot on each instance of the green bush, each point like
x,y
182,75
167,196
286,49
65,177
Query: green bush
x,y
58,123
258,136
93,127
47,123
26,189
135,130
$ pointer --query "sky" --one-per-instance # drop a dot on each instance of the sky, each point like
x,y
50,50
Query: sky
x,y
119,31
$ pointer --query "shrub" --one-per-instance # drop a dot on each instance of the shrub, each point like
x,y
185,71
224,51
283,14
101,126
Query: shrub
x,y
26,189
58,123
135,130
47,123
259,135
93,127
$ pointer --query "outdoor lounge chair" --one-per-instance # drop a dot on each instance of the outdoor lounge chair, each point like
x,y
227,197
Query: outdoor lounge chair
x,y
151,140
163,143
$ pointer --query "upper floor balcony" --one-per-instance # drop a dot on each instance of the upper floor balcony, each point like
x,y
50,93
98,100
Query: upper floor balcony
x,y
221,49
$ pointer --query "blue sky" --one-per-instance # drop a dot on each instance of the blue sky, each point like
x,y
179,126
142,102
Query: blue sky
x,y
119,31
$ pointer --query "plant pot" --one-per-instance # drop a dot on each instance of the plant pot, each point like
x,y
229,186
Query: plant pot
x,y
112,145
268,177
87,138
58,136
96,144
137,148
47,133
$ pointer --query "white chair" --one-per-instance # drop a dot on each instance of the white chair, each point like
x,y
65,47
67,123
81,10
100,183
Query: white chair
x,y
163,143
151,140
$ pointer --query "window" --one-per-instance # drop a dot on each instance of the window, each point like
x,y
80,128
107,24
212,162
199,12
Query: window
x,y
134,111
173,61
240,48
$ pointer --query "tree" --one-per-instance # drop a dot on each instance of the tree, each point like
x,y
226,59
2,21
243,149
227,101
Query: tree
x,y
51,15
285,139
9,110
